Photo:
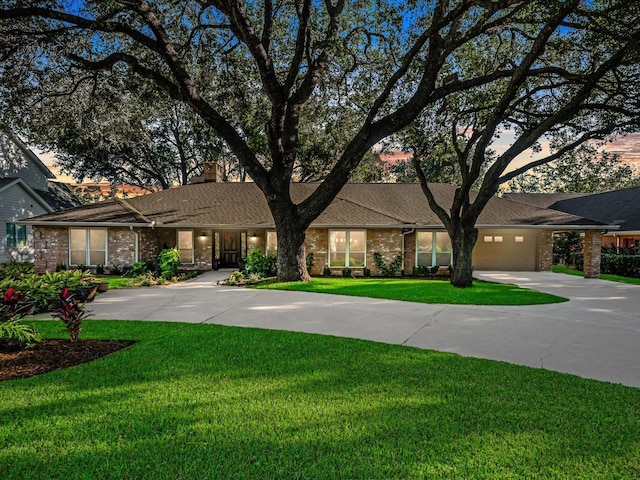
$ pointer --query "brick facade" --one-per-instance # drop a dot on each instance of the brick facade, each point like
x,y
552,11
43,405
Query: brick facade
x,y
592,249
545,251
52,247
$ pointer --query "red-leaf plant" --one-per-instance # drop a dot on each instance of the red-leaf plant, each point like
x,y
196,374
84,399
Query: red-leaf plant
x,y
71,311
10,301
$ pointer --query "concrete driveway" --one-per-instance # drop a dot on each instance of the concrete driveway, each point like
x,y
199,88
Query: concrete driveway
x,y
594,335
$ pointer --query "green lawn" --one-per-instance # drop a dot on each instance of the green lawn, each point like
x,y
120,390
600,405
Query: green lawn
x,y
423,291
206,401
603,276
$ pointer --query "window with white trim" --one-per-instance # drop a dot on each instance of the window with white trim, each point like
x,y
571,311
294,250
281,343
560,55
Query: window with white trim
x,y
272,243
185,245
16,235
87,246
347,248
433,248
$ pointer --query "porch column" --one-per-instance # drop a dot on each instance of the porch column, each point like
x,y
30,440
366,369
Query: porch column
x,y
545,251
592,249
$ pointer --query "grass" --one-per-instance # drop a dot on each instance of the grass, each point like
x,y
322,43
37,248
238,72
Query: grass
x,y
207,401
604,276
422,291
120,282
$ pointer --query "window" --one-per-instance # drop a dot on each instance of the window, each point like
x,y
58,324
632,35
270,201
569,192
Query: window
x,y
87,246
347,248
185,245
433,248
16,235
272,243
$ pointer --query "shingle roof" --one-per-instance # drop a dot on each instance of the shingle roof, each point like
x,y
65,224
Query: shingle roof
x,y
243,204
542,200
618,207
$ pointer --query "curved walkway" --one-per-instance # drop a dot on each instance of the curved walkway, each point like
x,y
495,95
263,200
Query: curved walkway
x,y
595,335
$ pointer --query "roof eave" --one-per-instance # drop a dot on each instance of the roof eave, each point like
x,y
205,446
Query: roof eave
x,y
43,223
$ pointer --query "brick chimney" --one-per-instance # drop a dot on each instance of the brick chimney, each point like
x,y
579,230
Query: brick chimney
x,y
212,172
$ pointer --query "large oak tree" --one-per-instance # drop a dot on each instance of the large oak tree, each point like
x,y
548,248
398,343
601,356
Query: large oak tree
x,y
575,80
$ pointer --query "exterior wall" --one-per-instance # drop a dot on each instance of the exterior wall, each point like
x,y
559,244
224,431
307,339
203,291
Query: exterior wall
x,y
592,248
621,241
545,251
387,242
121,247
16,204
507,254
409,252
317,242
51,247
534,253
16,162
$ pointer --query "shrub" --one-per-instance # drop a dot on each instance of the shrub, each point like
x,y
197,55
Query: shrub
x,y
99,269
61,267
13,333
115,269
346,272
326,271
236,278
14,270
387,270
137,269
71,312
169,261
261,264
309,259
578,260
366,272
624,265
421,271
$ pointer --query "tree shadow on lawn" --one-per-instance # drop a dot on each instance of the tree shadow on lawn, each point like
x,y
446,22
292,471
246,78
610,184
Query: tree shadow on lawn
x,y
204,401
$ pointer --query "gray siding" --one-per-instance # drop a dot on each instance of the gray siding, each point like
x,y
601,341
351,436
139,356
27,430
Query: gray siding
x,y
16,204
18,161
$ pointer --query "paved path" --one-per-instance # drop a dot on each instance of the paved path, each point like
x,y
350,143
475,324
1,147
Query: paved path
x,y
595,335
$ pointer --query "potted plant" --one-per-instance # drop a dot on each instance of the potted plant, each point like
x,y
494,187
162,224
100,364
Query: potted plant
x,y
87,289
103,286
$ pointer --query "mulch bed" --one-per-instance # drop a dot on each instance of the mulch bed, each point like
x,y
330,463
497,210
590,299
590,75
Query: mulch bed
x,y
55,354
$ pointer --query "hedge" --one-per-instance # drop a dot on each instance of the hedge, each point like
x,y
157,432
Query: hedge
x,y
624,265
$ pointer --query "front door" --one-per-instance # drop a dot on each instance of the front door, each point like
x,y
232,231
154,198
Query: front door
x,y
230,252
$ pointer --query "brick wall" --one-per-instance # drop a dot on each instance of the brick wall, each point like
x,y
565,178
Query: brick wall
x,y
387,242
545,251
592,250
121,248
51,247
317,242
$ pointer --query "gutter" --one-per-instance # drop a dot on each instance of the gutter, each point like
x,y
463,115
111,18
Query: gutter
x,y
82,224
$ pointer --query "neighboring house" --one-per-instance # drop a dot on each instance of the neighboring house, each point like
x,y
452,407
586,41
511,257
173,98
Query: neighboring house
x,y
219,223
26,190
618,207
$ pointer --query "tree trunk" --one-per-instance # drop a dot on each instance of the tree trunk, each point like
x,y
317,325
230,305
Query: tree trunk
x,y
463,242
292,262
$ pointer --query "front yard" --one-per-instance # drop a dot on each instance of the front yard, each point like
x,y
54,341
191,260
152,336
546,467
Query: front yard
x,y
422,291
207,401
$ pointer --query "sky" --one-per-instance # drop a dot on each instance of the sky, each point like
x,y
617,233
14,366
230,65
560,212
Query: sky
x,y
628,148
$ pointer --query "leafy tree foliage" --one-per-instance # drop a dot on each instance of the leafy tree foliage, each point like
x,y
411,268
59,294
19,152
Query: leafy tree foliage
x,y
574,80
583,170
